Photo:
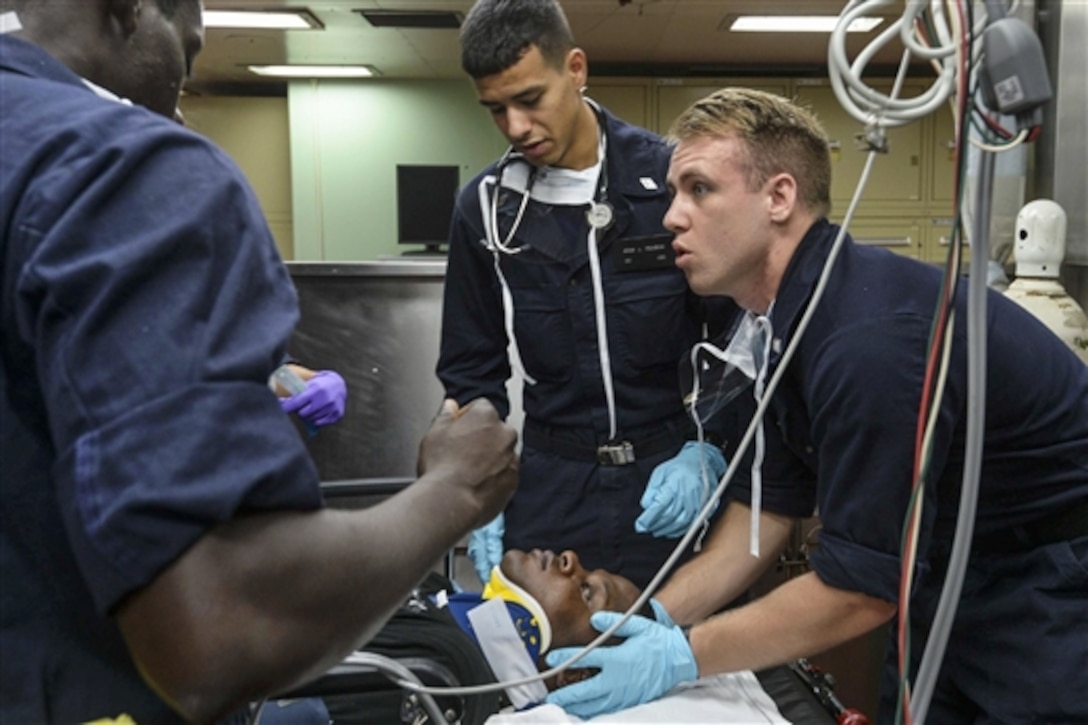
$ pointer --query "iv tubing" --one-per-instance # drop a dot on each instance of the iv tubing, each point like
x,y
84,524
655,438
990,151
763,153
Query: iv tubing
x,y
976,419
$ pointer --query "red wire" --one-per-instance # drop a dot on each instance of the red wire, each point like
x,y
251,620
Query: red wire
x,y
995,126
927,389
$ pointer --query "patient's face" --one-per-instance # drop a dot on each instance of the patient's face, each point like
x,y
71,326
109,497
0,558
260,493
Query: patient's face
x,y
568,593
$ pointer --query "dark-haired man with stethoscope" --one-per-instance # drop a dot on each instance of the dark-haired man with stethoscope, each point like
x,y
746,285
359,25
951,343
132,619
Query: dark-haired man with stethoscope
x,y
560,270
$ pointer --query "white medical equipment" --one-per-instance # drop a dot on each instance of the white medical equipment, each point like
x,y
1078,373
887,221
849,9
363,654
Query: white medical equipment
x,y
1039,249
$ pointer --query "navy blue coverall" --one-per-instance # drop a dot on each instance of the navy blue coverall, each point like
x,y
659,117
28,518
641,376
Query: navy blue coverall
x,y
144,306
566,499
840,437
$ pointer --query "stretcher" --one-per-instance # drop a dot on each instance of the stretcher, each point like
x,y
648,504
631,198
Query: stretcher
x,y
799,698
363,693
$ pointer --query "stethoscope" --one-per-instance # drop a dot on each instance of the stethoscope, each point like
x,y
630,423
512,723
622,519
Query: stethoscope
x,y
599,216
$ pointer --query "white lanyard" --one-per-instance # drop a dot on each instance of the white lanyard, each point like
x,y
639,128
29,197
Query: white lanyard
x,y
599,216
762,353
748,353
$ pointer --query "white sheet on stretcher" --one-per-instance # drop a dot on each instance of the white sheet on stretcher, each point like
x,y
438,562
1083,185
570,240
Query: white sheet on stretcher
x,y
736,697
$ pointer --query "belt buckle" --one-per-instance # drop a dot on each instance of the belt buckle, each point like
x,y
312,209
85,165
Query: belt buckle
x,y
616,455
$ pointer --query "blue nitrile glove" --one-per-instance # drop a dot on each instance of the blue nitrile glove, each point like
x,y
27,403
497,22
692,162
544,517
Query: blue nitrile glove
x,y
674,495
661,614
485,547
323,400
650,661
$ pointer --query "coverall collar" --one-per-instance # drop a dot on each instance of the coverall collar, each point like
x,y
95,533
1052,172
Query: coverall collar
x,y
631,174
798,283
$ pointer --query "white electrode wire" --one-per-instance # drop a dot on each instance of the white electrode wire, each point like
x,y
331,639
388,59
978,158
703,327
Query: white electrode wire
x,y
700,434
998,148
862,102
868,105
959,108
398,674
959,83
712,502
931,49
930,665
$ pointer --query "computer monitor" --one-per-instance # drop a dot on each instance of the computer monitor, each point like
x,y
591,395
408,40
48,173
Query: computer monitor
x,y
425,199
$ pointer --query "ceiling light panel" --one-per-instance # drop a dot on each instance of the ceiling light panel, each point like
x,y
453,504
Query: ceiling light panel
x,y
262,20
797,24
315,71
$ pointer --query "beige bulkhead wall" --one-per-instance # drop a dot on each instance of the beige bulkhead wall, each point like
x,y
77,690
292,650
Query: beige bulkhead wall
x,y
323,159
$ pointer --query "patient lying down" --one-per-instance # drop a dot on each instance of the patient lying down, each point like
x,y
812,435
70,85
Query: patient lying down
x,y
551,597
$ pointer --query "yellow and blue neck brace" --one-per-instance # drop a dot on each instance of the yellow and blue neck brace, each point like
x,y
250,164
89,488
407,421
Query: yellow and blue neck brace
x,y
535,629
528,616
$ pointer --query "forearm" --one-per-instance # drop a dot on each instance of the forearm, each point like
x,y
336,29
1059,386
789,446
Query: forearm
x,y
271,600
800,618
725,568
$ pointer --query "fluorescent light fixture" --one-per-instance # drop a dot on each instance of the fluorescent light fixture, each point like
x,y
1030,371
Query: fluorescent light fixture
x,y
315,71
798,24
261,19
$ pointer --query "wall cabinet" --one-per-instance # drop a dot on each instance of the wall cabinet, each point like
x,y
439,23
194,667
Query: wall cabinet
x,y
896,179
938,238
627,98
674,95
942,153
254,132
900,235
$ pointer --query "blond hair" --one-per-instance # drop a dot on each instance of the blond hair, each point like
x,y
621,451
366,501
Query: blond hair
x,y
778,137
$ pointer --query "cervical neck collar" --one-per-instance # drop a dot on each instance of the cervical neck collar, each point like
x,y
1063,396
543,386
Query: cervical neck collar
x,y
525,611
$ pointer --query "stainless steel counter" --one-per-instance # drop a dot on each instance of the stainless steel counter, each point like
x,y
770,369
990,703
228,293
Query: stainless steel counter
x,y
377,324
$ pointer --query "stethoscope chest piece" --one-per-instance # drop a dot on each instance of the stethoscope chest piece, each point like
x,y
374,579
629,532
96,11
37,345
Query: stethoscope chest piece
x,y
600,215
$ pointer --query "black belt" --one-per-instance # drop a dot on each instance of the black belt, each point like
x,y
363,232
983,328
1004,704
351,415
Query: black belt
x,y
669,435
1071,523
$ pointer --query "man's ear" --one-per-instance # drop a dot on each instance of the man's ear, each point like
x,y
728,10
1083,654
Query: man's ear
x,y
126,13
578,66
781,197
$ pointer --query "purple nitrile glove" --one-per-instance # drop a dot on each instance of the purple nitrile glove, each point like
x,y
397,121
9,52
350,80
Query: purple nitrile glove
x,y
323,400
